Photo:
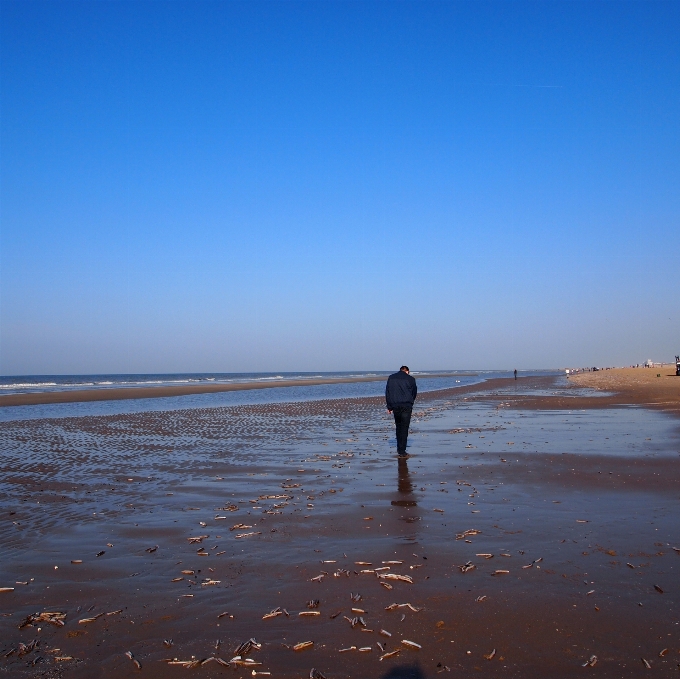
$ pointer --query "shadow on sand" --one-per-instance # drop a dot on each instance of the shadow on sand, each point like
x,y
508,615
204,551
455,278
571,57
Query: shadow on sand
x,y
405,672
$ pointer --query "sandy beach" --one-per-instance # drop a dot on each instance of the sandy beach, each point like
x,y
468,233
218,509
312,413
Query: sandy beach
x,y
533,531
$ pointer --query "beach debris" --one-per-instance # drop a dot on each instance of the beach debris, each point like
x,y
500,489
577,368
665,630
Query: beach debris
x,y
411,644
582,521
467,533
332,616
340,572
247,646
591,662
646,663
500,572
86,620
308,613
438,510
465,568
100,553
385,633
386,585
396,576
505,554
676,549
23,649
63,658
273,614
359,610
319,578
76,561
151,550
176,579
6,589
222,615
490,656
658,589
663,653
531,565
481,598
363,563
53,617
247,535
313,603
315,674
346,650
210,581
392,607
392,563
167,643
391,654
485,556
197,539
365,649
303,645
630,565
239,526
136,662
356,620
356,598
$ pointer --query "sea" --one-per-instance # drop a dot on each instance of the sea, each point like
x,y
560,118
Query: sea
x,y
20,384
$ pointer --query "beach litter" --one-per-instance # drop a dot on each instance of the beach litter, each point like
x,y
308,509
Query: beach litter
x,y
54,618
411,644
303,645
591,662
136,662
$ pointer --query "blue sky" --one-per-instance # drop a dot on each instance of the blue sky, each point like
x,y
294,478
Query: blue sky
x,y
217,186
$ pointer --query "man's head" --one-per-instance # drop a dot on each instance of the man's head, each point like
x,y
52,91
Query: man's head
x,y
404,368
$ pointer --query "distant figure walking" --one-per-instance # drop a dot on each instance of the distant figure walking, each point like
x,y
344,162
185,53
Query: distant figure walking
x,y
515,373
400,394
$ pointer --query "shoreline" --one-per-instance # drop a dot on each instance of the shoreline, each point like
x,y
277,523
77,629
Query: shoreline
x,y
125,393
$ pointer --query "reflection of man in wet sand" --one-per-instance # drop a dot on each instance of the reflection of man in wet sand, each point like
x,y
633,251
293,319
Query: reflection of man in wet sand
x,y
404,486
400,394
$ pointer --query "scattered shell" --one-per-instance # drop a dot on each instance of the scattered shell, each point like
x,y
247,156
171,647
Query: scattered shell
x,y
591,662
345,650
489,656
485,556
396,576
76,561
6,589
646,663
391,654
136,662
663,653
500,572
314,603
304,613
315,674
658,589
273,614
411,644
385,633
303,645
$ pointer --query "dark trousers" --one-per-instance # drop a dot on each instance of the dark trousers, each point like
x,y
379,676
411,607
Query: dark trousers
x,y
402,420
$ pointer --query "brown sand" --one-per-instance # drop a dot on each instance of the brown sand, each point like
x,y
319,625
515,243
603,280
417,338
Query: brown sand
x,y
116,394
602,389
574,499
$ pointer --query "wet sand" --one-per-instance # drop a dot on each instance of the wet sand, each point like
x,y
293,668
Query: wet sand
x,y
287,504
124,393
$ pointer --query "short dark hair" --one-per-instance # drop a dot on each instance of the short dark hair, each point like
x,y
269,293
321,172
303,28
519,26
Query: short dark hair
x,y
405,367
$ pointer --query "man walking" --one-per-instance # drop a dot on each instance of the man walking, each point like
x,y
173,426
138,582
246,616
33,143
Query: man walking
x,y
400,393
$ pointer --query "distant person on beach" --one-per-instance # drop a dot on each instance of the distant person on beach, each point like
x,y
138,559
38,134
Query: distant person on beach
x,y
515,373
400,394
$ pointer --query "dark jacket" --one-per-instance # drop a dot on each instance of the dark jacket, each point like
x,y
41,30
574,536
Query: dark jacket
x,y
400,391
